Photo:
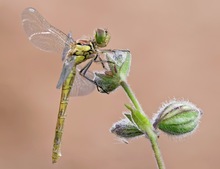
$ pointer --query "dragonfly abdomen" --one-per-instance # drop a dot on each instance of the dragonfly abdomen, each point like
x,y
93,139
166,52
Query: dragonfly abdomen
x,y
66,88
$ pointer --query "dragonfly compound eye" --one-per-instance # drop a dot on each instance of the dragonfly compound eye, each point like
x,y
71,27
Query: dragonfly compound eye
x,y
102,37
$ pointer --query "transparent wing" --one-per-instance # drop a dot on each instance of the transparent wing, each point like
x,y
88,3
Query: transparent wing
x,y
43,35
67,46
81,85
67,67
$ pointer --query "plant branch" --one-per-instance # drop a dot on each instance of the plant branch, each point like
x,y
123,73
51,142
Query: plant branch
x,y
148,129
131,96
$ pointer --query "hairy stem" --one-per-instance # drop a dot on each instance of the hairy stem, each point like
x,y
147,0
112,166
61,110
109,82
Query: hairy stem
x,y
149,128
131,96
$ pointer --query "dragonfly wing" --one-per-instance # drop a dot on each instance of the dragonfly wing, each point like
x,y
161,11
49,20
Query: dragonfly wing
x,y
67,67
81,85
43,35
67,46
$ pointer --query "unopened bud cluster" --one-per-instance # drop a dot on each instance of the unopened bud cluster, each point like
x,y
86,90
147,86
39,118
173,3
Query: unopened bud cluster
x,y
176,118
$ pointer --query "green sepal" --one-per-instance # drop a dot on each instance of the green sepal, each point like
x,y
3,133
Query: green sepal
x,y
128,116
139,119
125,68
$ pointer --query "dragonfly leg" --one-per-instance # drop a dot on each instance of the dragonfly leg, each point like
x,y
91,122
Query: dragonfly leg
x,y
103,61
85,68
109,62
83,71
100,60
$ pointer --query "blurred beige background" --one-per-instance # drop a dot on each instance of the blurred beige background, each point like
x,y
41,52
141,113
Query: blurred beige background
x,y
175,48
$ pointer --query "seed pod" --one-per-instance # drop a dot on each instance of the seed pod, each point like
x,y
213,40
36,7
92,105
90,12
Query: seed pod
x,y
177,118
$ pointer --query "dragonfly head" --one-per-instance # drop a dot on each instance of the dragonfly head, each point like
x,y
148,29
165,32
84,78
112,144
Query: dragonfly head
x,y
102,37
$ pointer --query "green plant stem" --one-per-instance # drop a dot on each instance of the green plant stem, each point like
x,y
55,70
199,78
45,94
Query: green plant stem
x,y
131,96
149,128
158,156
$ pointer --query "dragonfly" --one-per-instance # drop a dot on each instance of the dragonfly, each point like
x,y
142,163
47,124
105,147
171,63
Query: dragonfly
x,y
74,80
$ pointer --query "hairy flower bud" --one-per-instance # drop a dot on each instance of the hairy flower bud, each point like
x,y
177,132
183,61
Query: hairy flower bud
x,y
125,129
107,81
177,118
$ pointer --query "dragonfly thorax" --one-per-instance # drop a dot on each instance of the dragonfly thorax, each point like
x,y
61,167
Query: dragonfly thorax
x,y
82,50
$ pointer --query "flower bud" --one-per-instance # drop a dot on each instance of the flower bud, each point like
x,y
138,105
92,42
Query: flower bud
x,y
106,82
125,129
118,62
177,118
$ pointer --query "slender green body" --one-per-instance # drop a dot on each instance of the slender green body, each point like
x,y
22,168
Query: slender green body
x,y
66,88
50,39
81,52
